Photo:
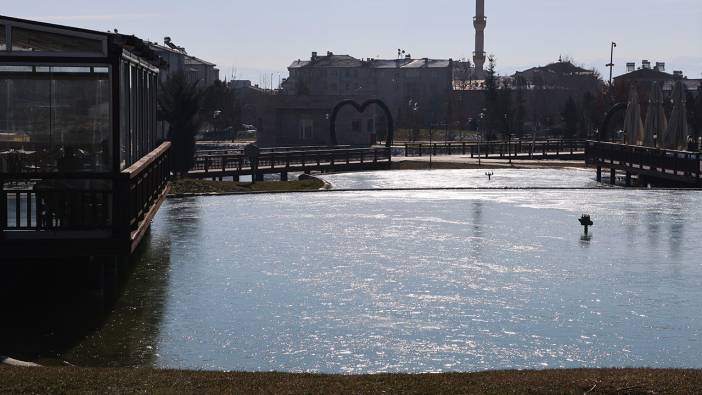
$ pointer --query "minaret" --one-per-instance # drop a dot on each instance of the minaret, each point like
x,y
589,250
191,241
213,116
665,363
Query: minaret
x,y
480,22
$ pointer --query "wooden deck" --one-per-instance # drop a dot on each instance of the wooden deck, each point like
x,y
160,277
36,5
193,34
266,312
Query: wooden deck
x,y
86,214
273,161
650,165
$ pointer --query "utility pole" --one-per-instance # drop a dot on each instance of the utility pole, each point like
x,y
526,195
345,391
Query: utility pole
x,y
611,62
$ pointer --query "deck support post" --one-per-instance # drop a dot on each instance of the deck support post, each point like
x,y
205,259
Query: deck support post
x,y
628,178
613,176
599,173
259,176
284,176
111,279
95,276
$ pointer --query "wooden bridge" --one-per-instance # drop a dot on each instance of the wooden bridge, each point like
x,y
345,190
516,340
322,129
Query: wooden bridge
x,y
516,149
217,165
55,214
651,165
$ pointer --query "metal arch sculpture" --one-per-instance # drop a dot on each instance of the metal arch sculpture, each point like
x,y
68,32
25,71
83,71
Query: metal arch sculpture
x,y
604,130
361,108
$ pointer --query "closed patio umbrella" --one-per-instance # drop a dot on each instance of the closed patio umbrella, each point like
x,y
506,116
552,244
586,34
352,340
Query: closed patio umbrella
x,y
676,135
633,127
656,121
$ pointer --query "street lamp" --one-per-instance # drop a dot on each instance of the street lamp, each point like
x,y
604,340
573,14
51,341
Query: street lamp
x,y
480,134
414,107
611,63
431,144
509,139
215,115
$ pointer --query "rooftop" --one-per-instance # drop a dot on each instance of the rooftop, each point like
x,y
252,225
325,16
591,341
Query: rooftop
x,y
342,61
561,68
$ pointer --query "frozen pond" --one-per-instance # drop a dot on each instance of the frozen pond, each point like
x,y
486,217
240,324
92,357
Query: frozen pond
x,y
413,281
473,178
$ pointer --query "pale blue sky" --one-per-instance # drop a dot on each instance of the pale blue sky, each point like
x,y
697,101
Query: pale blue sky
x,y
259,37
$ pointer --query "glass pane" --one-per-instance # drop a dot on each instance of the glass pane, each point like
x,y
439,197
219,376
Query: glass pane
x,y
3,39
16,69
36,41
55,121
70,69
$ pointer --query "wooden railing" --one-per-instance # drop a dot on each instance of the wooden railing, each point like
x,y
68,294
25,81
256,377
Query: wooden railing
x,y
263,150
52,202
285,160
502,149
144,182
58,202
651,160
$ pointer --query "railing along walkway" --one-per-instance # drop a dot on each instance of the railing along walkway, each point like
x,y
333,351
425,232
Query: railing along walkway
x,y
523,149
274,161
677,166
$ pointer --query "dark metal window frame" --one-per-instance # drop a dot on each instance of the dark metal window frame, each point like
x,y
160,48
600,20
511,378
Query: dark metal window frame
x,y
10,23
113,58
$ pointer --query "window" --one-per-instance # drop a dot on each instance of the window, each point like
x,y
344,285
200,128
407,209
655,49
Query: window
x,y
3,39
306,129
26,40
64,116
356,125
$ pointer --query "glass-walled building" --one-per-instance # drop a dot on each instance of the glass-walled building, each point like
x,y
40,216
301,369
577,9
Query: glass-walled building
x,y
74,100
79,156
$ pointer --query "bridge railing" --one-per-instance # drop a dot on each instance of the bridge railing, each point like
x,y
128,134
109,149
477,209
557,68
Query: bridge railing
x,y
685,163
276,159
240,151
105,205
528,148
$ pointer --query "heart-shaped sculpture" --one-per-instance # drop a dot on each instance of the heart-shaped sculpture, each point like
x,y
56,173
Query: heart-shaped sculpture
x,y
361,108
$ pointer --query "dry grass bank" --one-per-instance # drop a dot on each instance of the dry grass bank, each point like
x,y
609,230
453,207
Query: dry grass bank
x,y
193,186
605,381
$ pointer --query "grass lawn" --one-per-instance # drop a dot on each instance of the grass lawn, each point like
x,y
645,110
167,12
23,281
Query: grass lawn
x,y
98,380
189,185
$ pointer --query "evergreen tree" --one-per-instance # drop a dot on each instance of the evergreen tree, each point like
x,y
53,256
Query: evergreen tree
x,y
570,118
697,105
493,117
593,110
180,103
505,102
520,106
694,112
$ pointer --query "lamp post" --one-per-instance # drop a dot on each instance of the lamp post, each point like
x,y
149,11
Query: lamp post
x,y
611,62
414,107
215,116
431,144
480,135
509,139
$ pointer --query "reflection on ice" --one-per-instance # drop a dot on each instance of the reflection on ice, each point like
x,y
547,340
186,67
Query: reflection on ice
x,y
475,178
428,281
